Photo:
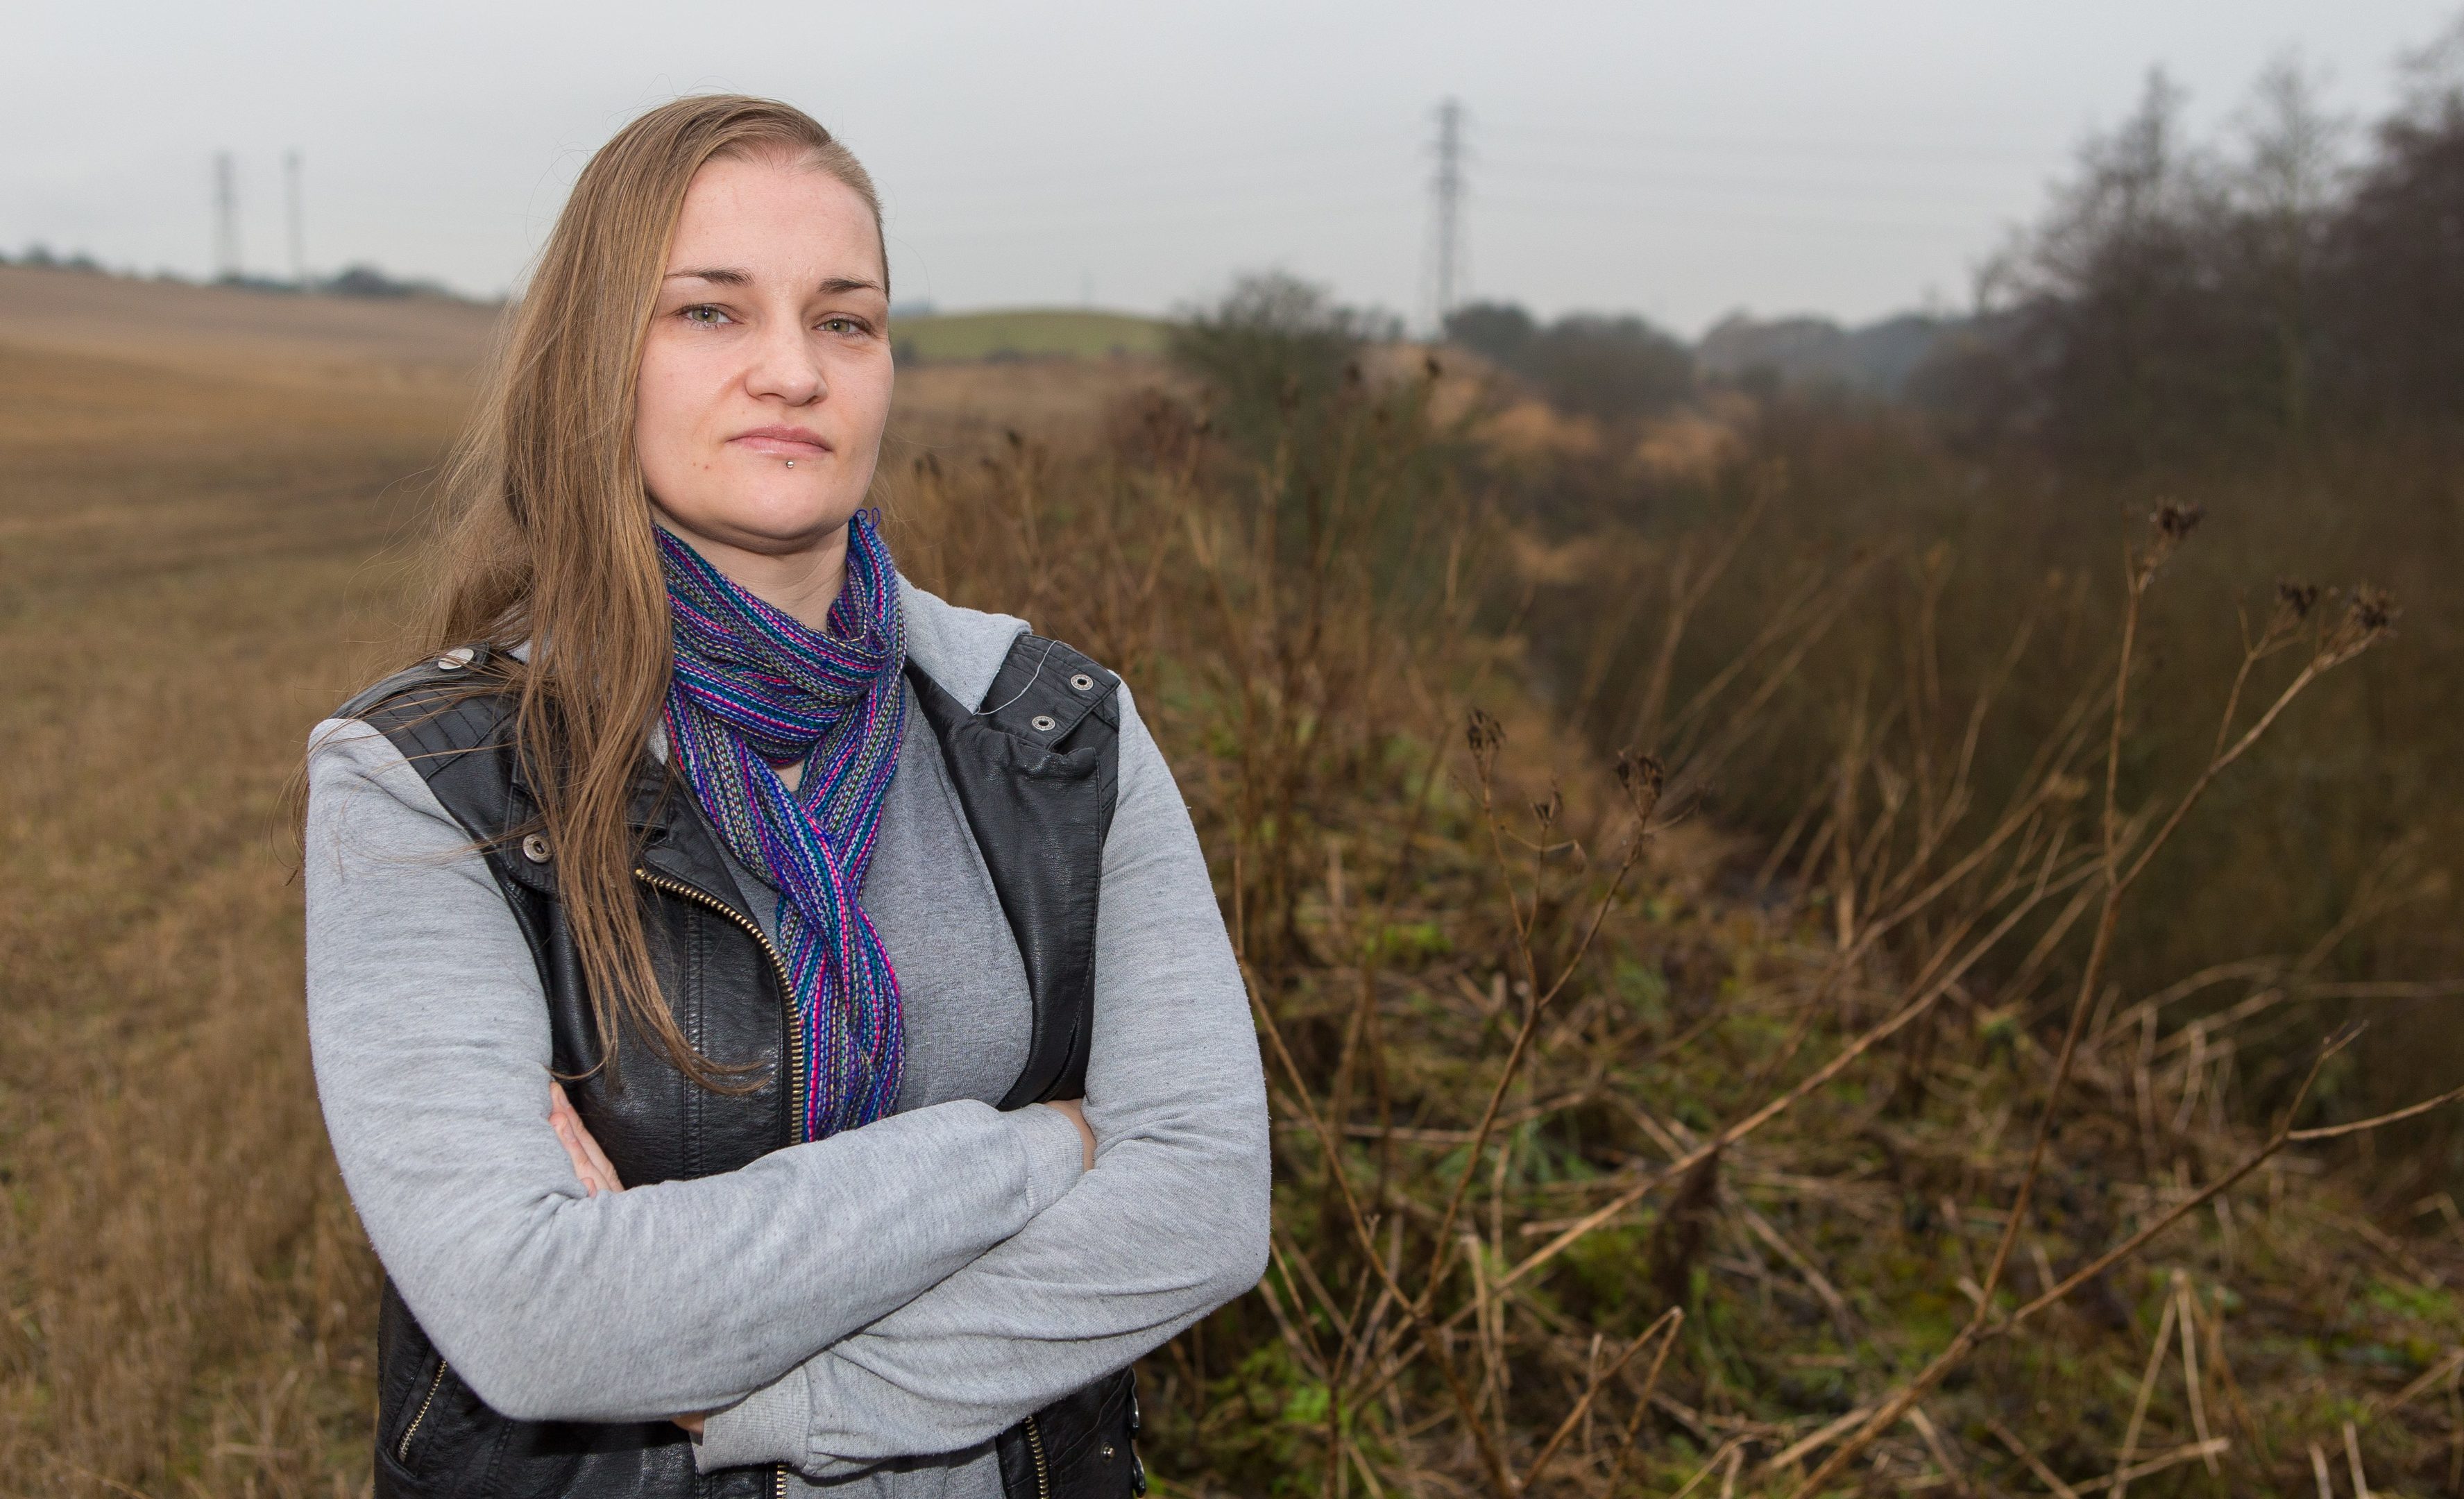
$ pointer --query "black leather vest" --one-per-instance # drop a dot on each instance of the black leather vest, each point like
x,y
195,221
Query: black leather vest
x,y
1036,773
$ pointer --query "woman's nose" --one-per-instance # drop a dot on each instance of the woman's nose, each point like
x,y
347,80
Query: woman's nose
x,y
783,364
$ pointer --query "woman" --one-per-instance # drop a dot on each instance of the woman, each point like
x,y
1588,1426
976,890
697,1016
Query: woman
x,y
824,898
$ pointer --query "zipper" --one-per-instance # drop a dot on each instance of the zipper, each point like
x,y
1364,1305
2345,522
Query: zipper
x,y
787,992
402,1450
1035,1449
795,1036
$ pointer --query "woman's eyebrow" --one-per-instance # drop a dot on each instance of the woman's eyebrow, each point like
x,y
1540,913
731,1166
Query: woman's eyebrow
x,y
730,275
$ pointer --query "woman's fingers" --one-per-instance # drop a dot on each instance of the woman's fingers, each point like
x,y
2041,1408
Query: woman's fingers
x,y
1075,1109
599,1160
557,1121
590,1163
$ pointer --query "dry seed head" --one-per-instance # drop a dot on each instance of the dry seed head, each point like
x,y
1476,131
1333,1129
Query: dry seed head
x,y
2295,603
2175,523
2370,617
2171,525
1484,733
1544,812
1640,775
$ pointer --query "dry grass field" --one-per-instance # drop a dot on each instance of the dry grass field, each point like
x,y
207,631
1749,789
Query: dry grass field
x,y
208,500
1614,1157
187,546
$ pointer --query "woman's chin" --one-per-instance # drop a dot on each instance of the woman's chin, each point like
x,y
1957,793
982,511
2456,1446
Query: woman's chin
x,y
772,517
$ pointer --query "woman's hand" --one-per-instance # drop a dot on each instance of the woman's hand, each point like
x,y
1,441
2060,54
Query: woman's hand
x,y
1076,1109
589,1163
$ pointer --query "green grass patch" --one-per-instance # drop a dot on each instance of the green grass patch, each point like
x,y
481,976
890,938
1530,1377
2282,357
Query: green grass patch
x,y
1025,333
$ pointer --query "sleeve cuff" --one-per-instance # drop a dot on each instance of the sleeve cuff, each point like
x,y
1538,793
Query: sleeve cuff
x,y
1056,1155
768,1426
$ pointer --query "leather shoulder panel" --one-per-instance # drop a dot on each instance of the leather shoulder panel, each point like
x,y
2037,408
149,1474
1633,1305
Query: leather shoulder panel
x,y
1044,689
454,669
1037,770
457,733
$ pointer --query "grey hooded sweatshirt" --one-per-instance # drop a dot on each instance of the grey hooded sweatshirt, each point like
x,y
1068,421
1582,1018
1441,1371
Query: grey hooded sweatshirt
x,y
869,1309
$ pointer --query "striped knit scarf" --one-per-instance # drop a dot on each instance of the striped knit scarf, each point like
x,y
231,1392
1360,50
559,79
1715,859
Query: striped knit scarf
x,y
753,689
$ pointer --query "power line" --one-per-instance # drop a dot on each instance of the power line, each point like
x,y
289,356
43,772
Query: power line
x,y
1271,163
1922,153
225,217
295,213
1447,189
1807,177
1516,204
979,225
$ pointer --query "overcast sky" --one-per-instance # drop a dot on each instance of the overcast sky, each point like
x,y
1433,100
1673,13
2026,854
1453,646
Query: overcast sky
x,y
1846,157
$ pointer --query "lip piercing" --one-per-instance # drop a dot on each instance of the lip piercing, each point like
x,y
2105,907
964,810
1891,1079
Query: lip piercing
x,y
791,463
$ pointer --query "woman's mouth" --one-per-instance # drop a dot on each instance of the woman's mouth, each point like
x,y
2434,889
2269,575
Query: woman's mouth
x,y
782,442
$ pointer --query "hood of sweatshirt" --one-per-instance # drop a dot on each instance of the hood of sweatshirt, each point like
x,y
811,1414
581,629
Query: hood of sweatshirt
x,y
961,649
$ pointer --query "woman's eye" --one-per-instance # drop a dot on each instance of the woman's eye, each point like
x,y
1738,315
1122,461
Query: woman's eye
x,y
842,325
705,315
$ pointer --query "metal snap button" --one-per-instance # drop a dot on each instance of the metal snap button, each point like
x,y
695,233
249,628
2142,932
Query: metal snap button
x,y
1107,1452
455,659
1042,723
535,849
1082,682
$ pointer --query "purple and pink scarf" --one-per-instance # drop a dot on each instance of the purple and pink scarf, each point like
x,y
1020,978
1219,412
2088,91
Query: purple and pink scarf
x,y
753,689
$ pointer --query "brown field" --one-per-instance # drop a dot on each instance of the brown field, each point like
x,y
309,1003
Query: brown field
x,y
195,560
207,502
1556,1090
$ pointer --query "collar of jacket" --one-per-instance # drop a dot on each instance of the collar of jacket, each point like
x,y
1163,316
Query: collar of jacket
x,y
960,649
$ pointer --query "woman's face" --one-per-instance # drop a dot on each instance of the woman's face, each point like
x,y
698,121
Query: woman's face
x,y
766,374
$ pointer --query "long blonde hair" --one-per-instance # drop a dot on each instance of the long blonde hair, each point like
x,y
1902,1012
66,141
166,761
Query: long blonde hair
x,y
548,530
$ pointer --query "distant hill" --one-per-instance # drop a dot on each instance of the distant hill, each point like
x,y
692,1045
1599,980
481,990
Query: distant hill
x,y
398,326
1878,357
1025,333
241,332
